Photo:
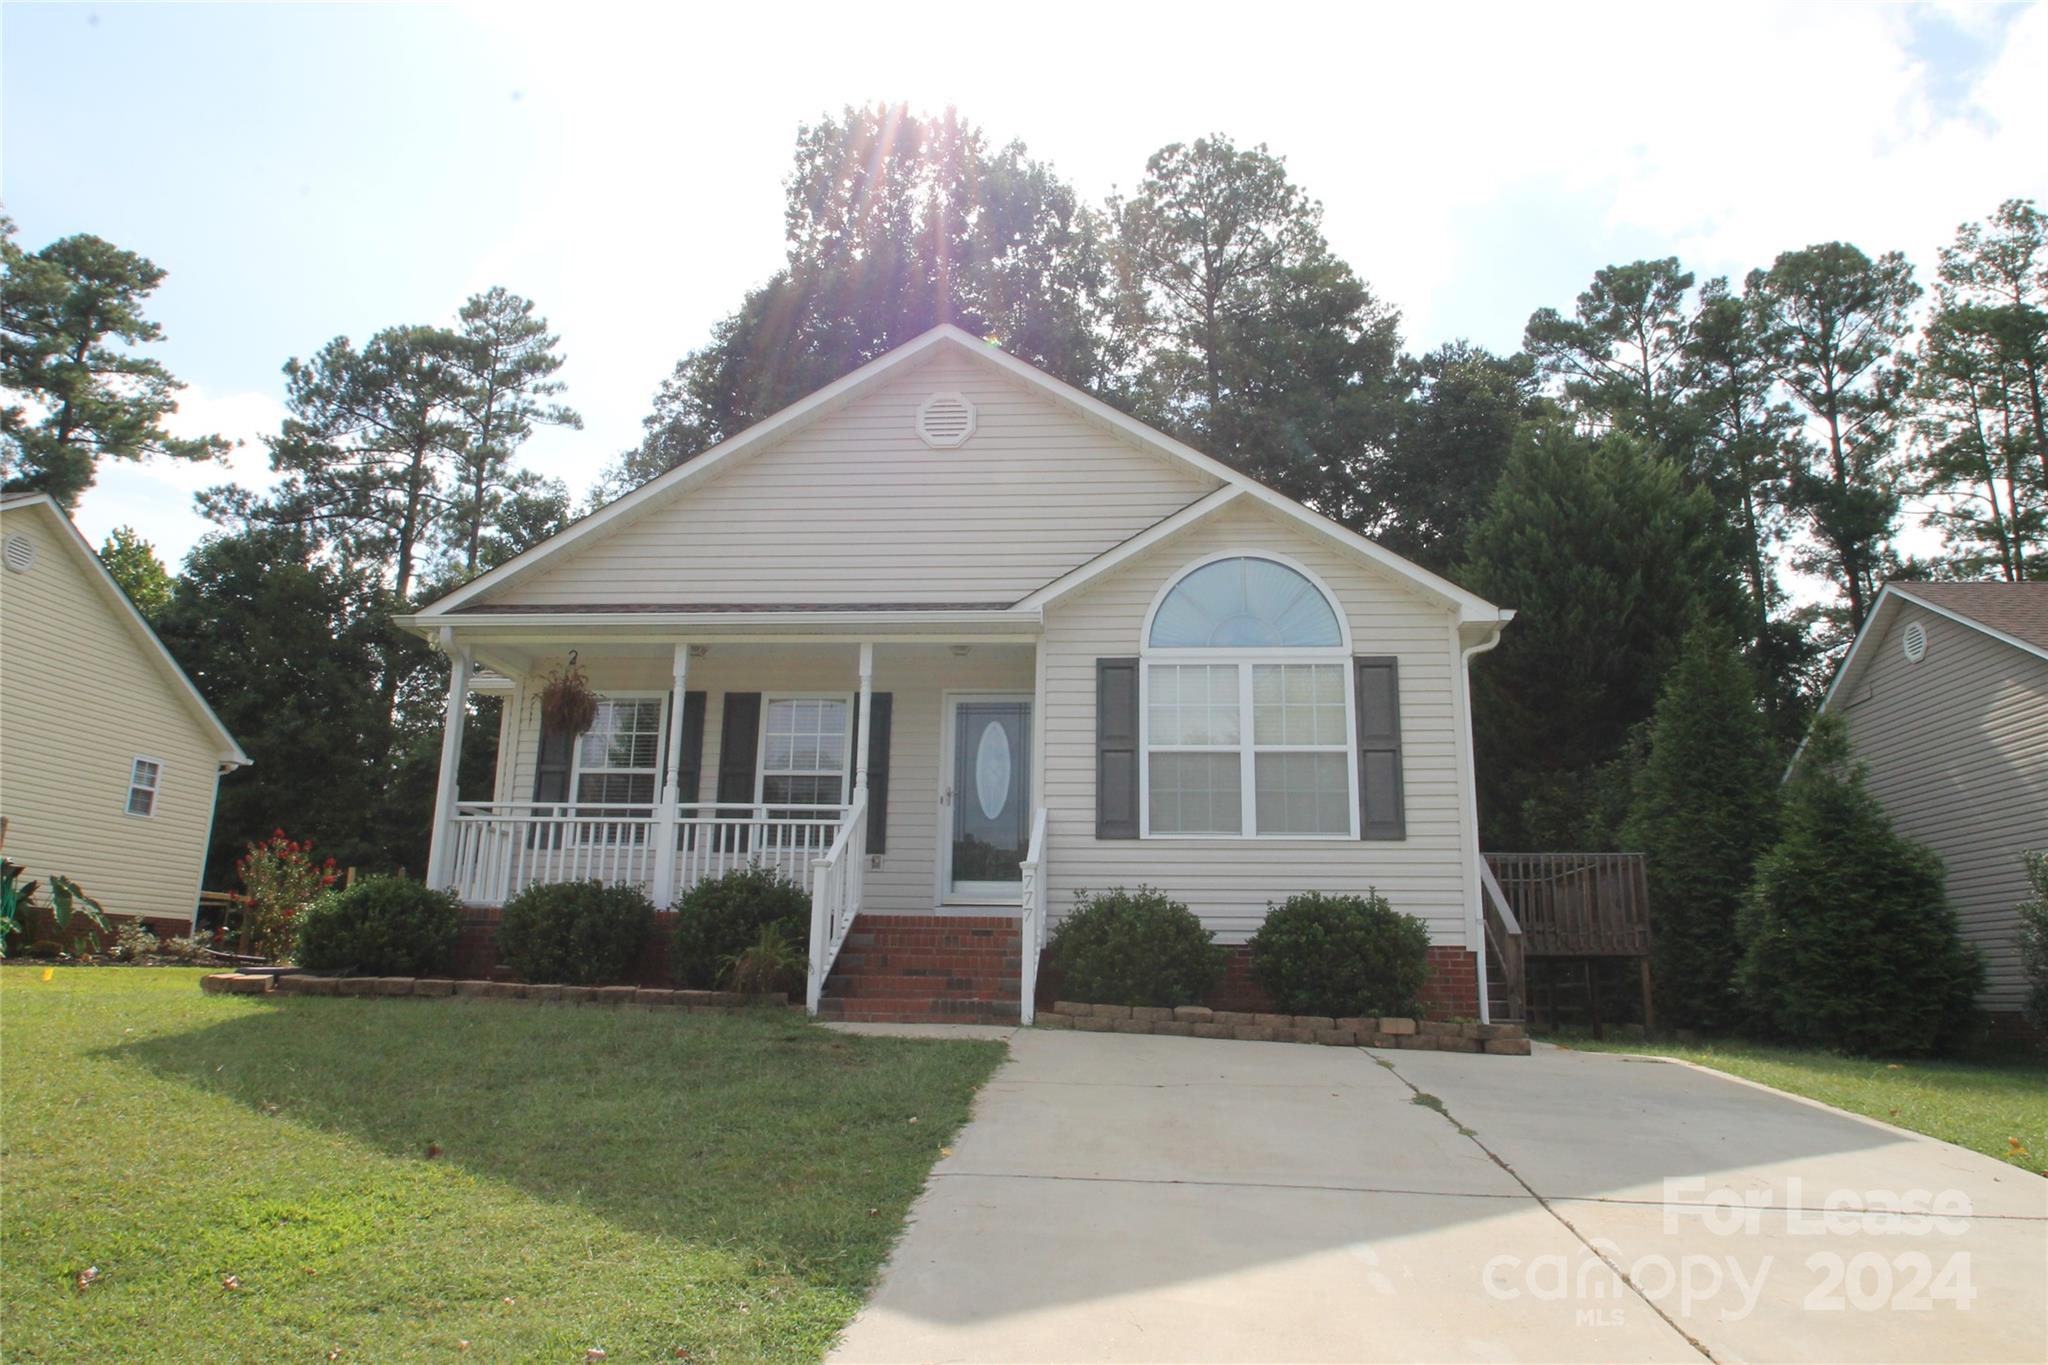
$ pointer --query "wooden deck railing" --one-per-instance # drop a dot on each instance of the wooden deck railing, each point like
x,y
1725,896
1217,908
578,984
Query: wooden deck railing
x,y
1577,904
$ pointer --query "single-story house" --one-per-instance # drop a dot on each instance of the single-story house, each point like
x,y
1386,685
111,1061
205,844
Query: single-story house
x,y
950,641
1945,695
109,757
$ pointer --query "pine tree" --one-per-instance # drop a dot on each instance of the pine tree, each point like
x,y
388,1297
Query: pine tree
x,y
1704,804
1849,940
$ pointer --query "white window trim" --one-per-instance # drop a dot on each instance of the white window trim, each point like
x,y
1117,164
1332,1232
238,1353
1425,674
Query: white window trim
x,y
1246,748
846,774
660,749
155,793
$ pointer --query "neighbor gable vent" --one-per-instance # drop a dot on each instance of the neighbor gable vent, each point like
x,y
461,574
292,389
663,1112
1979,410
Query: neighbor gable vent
x,y
20,553
1914,642
946,420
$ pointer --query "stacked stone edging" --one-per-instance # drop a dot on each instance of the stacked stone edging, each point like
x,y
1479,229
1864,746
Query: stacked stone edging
x,y
1200,1021
440,987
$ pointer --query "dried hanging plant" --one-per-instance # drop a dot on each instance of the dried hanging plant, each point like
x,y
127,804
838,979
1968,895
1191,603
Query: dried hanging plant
x,y
567,705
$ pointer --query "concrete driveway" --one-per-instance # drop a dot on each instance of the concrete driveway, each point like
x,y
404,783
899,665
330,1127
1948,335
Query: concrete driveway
x,y
1121,1198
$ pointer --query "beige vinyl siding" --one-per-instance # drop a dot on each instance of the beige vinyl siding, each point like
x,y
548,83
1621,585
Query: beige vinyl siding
x,y
856,509
1958,751
1228,882
82,695
917,676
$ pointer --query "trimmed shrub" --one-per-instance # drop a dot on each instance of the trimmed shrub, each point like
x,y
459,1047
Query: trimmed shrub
x,y
1849,940
575,933
1133,948
381,926
719,919
2033,914
1341,956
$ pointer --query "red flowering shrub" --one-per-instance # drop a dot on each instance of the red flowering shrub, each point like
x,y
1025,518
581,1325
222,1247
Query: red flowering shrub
x,y
280,880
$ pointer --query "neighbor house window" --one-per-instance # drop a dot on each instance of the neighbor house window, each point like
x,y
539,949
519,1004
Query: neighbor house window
x,y
143,779
1247,712
618,764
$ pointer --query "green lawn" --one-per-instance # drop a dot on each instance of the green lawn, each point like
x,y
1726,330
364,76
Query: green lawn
x,y
1980,1104
391,1178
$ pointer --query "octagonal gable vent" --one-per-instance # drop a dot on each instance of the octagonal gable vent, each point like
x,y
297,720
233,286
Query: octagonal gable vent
x,y
945,420
20,553
1914,642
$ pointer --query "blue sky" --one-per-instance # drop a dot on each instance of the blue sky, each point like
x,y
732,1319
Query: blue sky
x,y
310,171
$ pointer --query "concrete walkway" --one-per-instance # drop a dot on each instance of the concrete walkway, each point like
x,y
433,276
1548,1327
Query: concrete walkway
x,y
1122,1198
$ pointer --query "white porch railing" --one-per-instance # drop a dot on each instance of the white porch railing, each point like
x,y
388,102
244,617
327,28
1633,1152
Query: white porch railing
x,y
503,847
1032,927
836,884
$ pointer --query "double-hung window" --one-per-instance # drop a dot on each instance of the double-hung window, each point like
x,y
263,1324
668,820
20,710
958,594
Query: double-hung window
x,y
1247,708
145,775
805,742
618,769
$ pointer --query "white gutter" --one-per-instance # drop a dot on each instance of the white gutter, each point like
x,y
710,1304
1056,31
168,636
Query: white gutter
x,y
1471,652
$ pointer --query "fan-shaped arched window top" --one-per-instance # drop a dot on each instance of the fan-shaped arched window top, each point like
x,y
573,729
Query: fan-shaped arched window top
x,y
1245,603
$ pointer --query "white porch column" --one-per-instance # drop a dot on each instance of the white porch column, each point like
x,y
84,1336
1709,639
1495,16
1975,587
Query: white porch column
x,y
441,852
867,730
670,810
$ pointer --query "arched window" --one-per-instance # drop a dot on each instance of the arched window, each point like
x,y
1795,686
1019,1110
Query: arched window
x,y
1245,602
1247,707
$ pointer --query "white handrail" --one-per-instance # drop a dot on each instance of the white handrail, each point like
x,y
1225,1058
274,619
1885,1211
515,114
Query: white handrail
x,y
1031,924
1498,897
837,881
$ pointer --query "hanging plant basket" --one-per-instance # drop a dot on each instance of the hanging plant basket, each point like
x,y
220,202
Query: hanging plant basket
x,y
567,705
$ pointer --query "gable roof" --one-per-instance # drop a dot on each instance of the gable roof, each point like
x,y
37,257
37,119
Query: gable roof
x,y
68,534
727,453
2015,614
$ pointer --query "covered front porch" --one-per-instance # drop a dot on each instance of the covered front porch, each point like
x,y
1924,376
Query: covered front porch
x,y
897,774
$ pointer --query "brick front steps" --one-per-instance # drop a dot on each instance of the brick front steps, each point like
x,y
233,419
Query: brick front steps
x,y
1199,1021
926,969
298,983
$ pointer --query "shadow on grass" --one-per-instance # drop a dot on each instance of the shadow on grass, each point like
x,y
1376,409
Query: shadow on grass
x,y
760,1134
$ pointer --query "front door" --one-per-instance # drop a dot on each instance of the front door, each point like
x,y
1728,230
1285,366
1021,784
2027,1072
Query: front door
x,y
987,798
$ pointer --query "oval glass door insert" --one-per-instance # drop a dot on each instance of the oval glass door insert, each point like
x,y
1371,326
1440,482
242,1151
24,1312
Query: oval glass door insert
x,y
992,770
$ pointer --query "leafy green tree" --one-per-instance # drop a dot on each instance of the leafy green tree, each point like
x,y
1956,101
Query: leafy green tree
x,y
1833,321
133,563
1982,454
1705,797
526,511
896,222
71,318
507,360
1849,940
1620,357
1456,429
1608,558
1242,333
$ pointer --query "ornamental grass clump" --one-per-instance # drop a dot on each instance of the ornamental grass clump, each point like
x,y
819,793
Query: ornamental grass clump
x,y
1341,956
1137,947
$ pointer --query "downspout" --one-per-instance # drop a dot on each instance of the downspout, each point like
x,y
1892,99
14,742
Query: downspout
x,y
1471,652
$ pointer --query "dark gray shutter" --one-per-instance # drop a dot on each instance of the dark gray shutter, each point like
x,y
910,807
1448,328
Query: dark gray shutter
x,y
551,767
1381,810
738,737
881,705
690,770
1116,748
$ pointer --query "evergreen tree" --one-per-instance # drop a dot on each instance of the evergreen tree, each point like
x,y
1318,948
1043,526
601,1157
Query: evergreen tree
x,y
1456,428
133,563
1849,940
1240,331
896,222
1704,801
1619,357
507,360
1982,454
77,393
1607,558
1833,322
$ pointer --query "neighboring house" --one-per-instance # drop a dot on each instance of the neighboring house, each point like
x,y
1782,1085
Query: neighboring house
x,y
109,757
1945,693
950,638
